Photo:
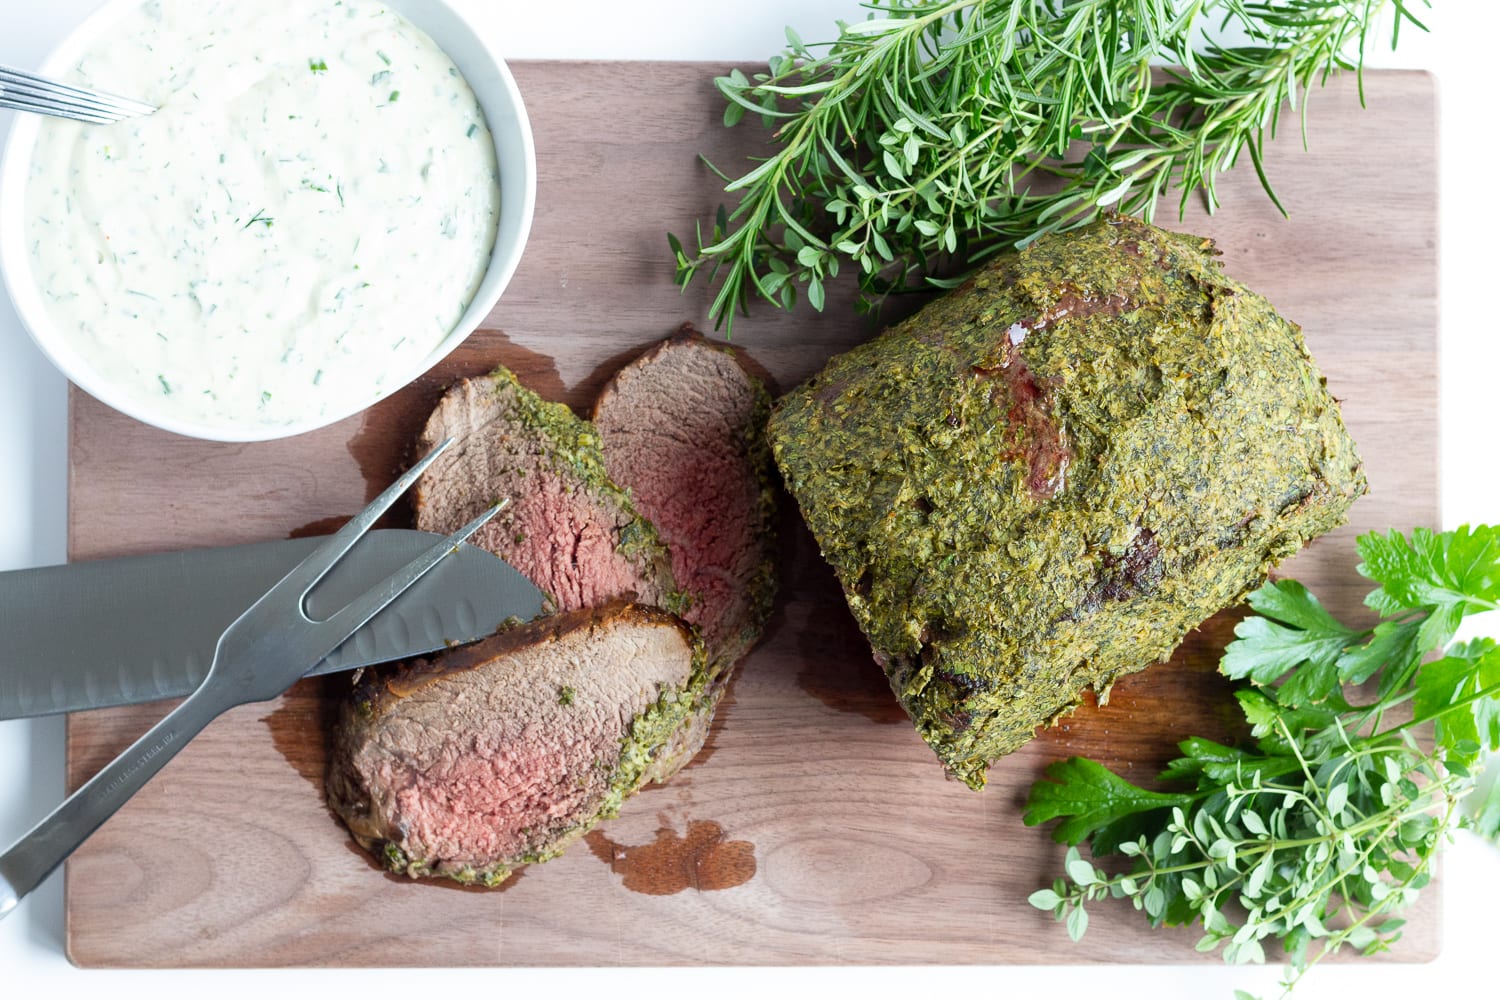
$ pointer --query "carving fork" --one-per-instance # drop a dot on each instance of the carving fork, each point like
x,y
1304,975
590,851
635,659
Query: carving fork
x,y
261,654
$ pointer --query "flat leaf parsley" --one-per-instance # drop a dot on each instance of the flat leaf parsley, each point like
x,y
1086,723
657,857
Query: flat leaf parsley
x,y
1317,834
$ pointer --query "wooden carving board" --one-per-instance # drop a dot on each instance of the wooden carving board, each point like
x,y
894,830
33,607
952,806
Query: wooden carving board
x,y
816,828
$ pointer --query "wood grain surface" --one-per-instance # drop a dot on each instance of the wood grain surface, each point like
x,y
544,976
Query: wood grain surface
x,y
815,827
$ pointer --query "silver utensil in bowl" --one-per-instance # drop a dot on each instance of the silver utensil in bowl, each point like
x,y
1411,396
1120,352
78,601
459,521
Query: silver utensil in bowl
x,y
23,91
261,654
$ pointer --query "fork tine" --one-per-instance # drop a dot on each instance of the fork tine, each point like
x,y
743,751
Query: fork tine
x,y
347,621
20,79
61,102
47,108
305,575
101,104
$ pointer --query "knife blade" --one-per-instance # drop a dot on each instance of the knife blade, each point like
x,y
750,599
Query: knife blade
x,y
142,628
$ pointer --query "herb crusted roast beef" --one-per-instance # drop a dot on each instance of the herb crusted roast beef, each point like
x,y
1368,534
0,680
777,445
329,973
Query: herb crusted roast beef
x,y
1043,479
568,528
505,751
502,752
683,430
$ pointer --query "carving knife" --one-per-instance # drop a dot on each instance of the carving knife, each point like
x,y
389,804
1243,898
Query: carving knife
x,y
142,628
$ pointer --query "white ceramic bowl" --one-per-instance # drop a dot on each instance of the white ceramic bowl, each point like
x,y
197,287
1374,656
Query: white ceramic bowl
x,y
515,156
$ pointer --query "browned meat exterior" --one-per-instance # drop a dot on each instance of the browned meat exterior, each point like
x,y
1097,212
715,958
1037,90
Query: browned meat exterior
x,y
568,528
683,429
503,752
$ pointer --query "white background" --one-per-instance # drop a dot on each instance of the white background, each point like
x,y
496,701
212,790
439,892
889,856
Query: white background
x,y
1460,51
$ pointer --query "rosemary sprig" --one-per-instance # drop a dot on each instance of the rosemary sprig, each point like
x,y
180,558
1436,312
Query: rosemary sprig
x,y
937,132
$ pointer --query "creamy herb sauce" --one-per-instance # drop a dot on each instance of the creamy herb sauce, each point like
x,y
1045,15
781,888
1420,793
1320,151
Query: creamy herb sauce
x,y
308,214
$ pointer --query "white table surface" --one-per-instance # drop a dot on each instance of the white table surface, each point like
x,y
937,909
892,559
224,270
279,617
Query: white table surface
x,y
33,503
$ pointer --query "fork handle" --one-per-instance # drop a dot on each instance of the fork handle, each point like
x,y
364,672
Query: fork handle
x,y
32,858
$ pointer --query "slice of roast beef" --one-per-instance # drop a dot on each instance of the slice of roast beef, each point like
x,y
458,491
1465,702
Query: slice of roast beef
x,y
503,752
568,528
683,429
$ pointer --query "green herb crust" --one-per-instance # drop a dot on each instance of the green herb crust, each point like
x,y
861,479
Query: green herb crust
x,y
574,451
566,443
1045,478
763,585
650,736
724,649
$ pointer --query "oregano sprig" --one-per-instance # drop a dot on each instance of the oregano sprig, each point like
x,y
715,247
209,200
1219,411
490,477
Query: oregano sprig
x,y
1318,833
934,133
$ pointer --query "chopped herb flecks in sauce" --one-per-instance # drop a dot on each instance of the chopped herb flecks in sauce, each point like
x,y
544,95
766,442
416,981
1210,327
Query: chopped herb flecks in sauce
x,y
204,258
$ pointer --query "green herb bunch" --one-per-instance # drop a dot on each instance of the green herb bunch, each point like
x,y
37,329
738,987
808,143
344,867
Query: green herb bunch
x,y
1314,836
937,132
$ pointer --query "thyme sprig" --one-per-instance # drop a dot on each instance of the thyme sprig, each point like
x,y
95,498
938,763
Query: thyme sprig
x,y
937,132
1315,836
